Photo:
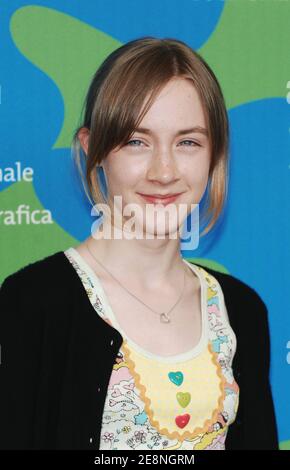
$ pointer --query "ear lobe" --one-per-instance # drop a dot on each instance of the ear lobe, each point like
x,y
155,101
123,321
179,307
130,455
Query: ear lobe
x,y
84,135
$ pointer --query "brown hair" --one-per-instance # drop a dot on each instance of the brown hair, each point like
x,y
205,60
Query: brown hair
x,y
117,93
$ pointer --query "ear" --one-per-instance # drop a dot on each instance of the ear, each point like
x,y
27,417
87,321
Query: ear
x,y
84,135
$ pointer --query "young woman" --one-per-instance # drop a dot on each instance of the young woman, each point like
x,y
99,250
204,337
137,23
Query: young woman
x,y
119,342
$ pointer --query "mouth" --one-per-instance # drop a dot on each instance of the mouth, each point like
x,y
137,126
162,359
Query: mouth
x,y
158,199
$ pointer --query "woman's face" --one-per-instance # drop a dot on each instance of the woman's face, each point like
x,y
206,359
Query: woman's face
x,y
162,160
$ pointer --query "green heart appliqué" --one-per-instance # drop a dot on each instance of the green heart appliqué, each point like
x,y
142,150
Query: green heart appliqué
x,y
183,398
176,377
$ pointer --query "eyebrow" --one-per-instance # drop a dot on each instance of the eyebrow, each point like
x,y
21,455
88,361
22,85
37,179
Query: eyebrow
x,y
197,129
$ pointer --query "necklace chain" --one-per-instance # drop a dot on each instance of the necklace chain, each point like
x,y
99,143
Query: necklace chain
x,y
164,317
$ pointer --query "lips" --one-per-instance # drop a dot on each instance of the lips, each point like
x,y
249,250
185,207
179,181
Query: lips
x,y
157,199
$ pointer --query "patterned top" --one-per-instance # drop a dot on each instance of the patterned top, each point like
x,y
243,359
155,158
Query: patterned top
x,y
180,402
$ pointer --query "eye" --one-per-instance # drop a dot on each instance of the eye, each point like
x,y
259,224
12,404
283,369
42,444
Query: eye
x,y
133,140
191,142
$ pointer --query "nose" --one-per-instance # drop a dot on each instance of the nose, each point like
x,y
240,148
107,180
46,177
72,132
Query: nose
x,y
162,168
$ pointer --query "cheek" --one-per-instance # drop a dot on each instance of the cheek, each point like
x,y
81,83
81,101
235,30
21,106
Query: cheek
x,y
196,175
196,178
122,178
125,174
197,164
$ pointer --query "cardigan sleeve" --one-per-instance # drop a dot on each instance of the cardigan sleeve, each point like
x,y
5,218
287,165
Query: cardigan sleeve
x,y
260,426
20,361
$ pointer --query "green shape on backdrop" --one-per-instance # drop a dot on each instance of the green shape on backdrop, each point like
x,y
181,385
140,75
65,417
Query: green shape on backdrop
x,y
25,243
65,48
284,445
249,50
208,263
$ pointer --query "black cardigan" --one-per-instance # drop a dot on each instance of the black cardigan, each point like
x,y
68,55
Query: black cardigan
x,y
57,356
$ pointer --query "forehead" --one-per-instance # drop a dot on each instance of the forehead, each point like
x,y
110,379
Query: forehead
x,y
177,105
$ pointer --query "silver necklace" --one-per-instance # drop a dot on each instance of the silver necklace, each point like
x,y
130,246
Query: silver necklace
x,y
164,316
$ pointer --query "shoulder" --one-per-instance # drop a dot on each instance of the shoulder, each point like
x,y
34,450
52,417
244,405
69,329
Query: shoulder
x,y
232,284
39,294
242,301
46,271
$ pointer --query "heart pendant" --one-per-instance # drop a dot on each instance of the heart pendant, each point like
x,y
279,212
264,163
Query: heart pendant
x,y
164,318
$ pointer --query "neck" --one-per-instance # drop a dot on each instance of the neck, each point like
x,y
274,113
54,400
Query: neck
x,y
150,263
